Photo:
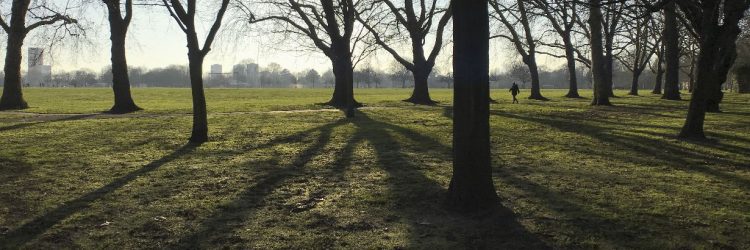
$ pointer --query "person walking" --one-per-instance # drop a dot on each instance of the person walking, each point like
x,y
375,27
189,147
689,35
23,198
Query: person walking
x,y
514,90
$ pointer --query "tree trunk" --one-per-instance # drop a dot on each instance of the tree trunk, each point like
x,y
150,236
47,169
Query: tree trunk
x,y
343,72
609,71
421,93
718,51
570,57
536,92
671,54
743,82
634,82
598,61
344,84
693,127
471,187
659,76
421,72
200,116
120,81
12,97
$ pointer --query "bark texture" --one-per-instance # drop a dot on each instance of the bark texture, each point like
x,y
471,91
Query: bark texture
x,y
671,54
471,187
602,87
717,23
118,27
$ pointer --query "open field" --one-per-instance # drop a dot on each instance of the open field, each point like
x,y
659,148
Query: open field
x,y
569,175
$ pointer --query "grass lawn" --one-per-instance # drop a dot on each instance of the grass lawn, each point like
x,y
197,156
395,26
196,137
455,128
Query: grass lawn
x,y
568,175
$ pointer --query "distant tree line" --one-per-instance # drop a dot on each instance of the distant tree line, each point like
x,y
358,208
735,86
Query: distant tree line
x,y
274,75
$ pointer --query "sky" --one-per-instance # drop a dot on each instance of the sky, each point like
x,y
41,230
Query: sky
x,y
155,40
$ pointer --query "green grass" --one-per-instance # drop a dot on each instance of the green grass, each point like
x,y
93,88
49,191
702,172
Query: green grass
x,y
568,175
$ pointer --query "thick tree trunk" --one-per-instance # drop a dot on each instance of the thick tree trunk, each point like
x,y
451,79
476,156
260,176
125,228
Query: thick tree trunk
x,y
715,58
343,72
536,93
471,187
421,93
12,97
598,61
693,127
570,57
200,116
120,81
671,54
659,76
634,82
743,82
343,89
609,72
421,72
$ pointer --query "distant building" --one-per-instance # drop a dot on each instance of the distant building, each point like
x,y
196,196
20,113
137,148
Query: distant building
x,y
253,74
216,69
36,57
38,73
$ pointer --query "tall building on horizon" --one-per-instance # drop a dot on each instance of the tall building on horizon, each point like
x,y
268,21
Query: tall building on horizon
x,y
36,56
216,69
37,72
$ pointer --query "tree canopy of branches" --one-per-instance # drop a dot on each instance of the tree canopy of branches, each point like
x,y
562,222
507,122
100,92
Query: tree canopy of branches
x,y
328,24
186,20
24,18
390,23
636,43
562,16
515,15
716,24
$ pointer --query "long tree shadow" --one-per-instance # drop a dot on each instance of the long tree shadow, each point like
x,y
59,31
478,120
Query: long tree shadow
x,y
419,198
30,230
29,124
648,149
566,209
716,144
230,216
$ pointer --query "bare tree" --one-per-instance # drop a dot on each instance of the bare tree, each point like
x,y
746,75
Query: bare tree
x,y
511,15
520,72
42,13
185,18
716,24
602,87
118,28
399,73
471,186
312,77
614,13
386,23
330,26
562,16
671,53
657,67
636,45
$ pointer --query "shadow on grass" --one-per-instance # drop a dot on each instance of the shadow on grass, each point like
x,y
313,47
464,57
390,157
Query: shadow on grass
x,y
418,197
68,118
647,150
30,230
569,120
415,198
218,228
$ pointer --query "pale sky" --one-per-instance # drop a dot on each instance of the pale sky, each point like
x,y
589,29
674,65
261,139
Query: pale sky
x,y
154,40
